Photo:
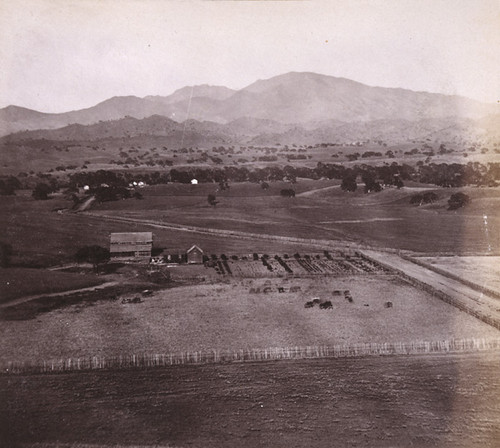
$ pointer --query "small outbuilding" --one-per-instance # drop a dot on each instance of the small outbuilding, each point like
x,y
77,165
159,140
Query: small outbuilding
x,y
194,255
133,246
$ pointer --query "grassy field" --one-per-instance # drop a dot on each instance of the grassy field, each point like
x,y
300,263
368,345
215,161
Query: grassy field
x,y
448,401
20,282
386,219
231,316
40,236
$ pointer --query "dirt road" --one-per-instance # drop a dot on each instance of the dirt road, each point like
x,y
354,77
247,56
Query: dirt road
x,y
57,294
472,298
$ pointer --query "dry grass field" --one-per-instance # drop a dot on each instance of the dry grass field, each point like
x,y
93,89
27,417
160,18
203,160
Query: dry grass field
x,y
230,316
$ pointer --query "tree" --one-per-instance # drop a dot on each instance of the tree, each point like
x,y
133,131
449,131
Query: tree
x,y
427,198
41,191
349,184
458,200
9,185
212,200
96,255
371,185
287,193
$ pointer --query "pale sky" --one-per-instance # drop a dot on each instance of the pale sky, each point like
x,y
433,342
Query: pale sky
x,y
61,55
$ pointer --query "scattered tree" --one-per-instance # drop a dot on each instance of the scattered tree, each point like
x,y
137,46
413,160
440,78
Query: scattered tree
x,y
41,191
349,184
9,186
96,255
287,193
426,198
212,200
458,200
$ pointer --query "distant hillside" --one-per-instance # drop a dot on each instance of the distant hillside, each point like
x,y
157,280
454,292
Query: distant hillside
x,y
255,131
295,99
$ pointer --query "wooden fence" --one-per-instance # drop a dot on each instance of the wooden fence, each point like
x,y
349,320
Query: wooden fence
x,y
488,291
460,304
250,355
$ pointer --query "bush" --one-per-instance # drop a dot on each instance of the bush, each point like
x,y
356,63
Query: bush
x,y
287,193
458,200
95,255
349,184
41,192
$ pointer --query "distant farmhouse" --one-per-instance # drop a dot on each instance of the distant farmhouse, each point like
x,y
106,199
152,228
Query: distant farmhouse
x,y
194,255
133,246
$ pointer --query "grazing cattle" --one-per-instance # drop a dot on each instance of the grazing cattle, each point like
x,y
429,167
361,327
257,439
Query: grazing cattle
x,y
315,301
267,289
295,289
308,305
281,289
326,305
349,299
337,292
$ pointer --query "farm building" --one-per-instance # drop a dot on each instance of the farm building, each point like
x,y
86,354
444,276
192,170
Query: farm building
x,y
133,246
194,255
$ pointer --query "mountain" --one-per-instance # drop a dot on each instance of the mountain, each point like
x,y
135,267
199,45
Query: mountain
x,y
270,106
253,131
127,128
189,92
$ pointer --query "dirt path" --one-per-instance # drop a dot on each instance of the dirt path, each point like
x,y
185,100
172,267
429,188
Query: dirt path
x,y
85,205
56,294
333,244
475,300
312,192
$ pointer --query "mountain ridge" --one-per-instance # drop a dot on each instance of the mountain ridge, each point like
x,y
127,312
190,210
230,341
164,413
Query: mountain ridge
x,y
290,98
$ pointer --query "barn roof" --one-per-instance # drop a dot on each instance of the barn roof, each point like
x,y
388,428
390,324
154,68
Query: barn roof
x,y
132,237
193,247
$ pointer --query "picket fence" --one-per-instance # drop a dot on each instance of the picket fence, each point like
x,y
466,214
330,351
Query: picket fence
x,y
250,355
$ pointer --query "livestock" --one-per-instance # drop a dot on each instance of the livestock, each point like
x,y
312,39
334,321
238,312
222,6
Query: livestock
x,y
326,305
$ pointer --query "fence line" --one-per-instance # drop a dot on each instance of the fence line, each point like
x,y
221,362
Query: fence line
x,y
460,304
475,286
250,355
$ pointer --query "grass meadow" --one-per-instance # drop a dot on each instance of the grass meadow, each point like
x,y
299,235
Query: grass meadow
x,y
42,237
324,211
20,282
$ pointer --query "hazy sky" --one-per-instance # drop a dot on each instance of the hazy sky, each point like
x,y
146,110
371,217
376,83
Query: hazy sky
x,y
60,55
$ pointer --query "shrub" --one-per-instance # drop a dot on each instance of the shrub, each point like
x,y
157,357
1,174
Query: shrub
x,y
458,200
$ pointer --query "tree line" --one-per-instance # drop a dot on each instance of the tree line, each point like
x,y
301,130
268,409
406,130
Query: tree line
x,y
373,177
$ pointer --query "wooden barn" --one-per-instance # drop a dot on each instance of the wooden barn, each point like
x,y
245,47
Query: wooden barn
x,y
133,246
194,255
